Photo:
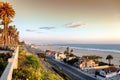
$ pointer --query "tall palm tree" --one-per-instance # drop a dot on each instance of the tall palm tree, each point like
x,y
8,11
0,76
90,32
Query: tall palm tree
x,y
1,36
17,37
13,35
109,58
10,34
6,13
67,51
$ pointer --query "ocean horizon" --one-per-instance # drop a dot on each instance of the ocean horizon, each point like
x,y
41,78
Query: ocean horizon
x,y
98,47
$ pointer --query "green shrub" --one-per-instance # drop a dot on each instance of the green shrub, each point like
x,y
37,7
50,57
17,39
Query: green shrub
x,y
2,65
72,61
42,55
32,61
30,68
3,61
102,63
25,74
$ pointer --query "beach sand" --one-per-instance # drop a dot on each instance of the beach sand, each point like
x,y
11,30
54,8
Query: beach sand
x,y
82,52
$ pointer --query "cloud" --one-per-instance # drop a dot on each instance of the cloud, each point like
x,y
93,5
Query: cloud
x,y
75,25
29,30
46,28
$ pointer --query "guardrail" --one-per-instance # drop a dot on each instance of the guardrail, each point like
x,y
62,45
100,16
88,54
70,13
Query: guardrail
x,y
12,64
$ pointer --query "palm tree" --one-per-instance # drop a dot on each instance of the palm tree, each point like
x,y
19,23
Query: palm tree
x,y
1,37
13,35
17,38
6,12
10,34
109,58
66,51
71,51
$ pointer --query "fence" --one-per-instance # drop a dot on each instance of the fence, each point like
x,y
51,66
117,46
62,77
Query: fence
x,y
12,64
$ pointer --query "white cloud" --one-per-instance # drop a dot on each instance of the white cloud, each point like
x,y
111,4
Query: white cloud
x,y
30,30
75,25
46,28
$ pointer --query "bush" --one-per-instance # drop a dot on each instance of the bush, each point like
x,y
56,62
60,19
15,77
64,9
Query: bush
x,y
2,65
30,68
32,61
102,63
3,61
41,55
71,62
24,74
5,56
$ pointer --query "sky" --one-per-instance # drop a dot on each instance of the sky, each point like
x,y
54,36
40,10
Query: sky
x,y
67,21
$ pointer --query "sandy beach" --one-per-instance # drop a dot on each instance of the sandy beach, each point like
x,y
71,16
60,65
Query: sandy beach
x,y
82,52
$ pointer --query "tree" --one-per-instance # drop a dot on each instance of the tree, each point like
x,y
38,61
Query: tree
x,y
109,58
13,35
71,51
6,12
67,51
10,34
1,37
93,57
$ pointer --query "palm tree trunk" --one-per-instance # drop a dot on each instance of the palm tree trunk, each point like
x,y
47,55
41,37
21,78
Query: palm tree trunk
x,y
5,32
109,61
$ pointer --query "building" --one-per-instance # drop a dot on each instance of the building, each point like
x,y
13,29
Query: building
x,y
69,58
49,52
85,64
60,56
108,73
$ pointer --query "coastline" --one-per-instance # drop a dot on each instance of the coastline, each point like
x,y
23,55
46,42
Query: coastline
x,y
82,52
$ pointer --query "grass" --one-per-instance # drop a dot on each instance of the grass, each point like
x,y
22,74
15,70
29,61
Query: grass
x,y
30,68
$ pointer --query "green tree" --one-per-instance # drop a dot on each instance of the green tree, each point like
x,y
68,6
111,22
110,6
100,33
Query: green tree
x,y
93,57
67,51
71,51
109,58
13,35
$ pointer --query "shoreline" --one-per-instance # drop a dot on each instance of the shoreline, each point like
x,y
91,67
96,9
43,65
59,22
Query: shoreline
x,y
83,52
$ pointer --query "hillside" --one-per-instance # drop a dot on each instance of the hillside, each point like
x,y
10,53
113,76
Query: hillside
x,y
31,68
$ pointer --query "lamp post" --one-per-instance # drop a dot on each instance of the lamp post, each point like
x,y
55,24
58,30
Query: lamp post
x,y
119,63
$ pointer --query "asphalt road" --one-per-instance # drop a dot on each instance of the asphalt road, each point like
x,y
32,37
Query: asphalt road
x,y
27,48
72,72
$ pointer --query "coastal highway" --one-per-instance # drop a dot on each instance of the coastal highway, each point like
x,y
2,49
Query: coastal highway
x,y
72,72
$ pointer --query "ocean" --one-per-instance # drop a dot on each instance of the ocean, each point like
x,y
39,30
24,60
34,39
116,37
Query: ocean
x,y
98,47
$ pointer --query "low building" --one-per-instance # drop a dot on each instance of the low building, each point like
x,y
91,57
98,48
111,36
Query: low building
x,y
60,56
107,73
69,58
49,52
85,63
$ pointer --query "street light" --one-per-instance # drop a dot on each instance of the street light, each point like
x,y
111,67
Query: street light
x,y
119,63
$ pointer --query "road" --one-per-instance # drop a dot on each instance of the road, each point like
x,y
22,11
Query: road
x,y
74,73
27,48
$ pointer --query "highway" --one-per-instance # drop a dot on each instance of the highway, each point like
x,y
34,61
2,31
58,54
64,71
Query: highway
x,y
72,72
